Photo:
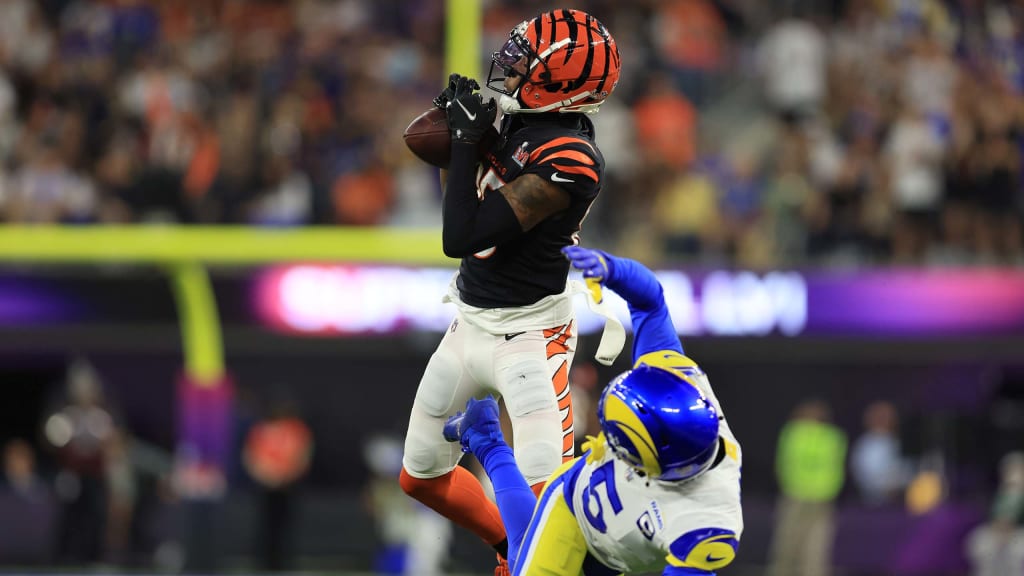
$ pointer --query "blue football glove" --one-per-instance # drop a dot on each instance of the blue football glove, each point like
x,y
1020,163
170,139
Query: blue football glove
x,y
594,264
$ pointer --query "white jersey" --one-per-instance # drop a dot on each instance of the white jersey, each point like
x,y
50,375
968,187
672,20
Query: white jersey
x,y
630,523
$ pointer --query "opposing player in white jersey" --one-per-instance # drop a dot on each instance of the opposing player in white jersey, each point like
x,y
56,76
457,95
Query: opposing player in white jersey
x,y
658,489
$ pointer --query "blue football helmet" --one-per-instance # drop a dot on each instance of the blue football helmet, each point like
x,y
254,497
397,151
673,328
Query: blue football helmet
x,y
660,424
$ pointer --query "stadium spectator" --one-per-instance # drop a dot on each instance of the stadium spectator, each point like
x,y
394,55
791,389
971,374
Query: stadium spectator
x,y
686,214
810,462
122,493
790,201
363,196
277,453
414,540
20,477
996,548
691,40
792,61
79,431
666,126
876,464
26,532
913,155
286,196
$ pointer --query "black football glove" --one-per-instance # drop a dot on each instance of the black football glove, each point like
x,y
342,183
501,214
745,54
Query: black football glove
x,y
446,95
469,117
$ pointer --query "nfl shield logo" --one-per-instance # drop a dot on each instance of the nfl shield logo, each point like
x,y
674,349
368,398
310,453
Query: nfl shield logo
x,y
521,155
646,525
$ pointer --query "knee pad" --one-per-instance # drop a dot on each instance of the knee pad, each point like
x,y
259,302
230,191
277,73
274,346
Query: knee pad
x,y
527,389
538,445
427,454
536,421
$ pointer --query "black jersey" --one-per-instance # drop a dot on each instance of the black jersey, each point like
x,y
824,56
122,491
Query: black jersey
x,y
559,148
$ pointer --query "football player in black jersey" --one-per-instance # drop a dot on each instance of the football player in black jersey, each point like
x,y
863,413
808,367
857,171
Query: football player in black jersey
x,y
507,215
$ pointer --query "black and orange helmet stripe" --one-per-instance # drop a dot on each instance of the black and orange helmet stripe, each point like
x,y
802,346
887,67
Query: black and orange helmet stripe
x,y
588,63
607,64
573,32
573,61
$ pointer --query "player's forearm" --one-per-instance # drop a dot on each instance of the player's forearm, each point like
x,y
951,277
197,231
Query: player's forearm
x,y
653,329
635,283
470,224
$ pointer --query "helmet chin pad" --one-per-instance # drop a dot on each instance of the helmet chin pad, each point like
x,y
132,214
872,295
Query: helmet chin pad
x,y
509,104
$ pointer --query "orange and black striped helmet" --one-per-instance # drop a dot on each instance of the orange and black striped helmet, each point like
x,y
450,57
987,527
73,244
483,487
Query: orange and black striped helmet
x,y
571,64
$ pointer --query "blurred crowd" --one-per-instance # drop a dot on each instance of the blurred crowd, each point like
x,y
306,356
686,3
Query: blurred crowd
x,y
844,133
742,132
83,488
812,460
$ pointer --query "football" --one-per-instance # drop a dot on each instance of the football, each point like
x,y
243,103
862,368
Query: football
x,y
428,138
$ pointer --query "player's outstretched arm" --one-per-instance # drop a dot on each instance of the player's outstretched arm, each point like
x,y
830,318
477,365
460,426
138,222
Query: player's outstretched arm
x,y
653,330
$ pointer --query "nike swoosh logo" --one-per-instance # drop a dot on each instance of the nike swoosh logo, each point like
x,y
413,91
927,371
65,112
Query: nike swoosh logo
x,y
711,559
511,336
556,178
468,115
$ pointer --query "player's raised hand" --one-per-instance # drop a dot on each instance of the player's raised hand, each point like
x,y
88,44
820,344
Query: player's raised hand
x,y
469,116
595,266
446,95
592,263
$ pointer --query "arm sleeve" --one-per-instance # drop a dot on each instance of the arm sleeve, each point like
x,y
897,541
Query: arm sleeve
x,y
470,224
653,329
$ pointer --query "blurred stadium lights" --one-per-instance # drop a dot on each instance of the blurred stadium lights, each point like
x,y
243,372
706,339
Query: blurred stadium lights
x,y
351,299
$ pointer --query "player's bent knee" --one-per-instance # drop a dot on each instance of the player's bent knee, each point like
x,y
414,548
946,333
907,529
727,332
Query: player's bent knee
x,y
425,461
419,488
538,445
538,460
421,463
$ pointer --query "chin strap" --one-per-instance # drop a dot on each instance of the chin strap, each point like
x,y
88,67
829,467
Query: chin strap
x,y
509,104
613,338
